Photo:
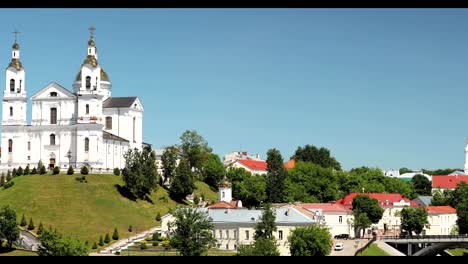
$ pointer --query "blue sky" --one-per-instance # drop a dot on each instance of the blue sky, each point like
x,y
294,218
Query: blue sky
x,y
378,87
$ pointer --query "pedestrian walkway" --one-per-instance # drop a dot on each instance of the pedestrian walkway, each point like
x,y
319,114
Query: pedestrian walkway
x,y
125,242
387,248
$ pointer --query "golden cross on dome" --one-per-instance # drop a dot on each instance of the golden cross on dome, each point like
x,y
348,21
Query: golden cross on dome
x,y
91,30
16,34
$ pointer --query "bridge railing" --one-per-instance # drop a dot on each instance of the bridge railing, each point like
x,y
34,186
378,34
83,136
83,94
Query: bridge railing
x,y
435,237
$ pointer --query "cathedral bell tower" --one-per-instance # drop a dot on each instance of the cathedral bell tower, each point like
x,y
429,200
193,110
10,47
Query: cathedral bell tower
x,y
14,94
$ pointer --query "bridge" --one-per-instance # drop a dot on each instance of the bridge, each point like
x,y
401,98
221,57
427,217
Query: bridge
x,y
426,245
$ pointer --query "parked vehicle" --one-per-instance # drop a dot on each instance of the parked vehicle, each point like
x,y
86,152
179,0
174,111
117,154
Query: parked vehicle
x,y
342,236
339,246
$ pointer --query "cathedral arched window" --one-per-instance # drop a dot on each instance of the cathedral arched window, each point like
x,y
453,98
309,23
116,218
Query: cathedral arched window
x,y
88,82
53,115
10,145
87,109
86,144
134,123
11,110
19,89
52,139
108,122
12,85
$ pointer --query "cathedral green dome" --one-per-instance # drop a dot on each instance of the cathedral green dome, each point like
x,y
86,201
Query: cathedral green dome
x,y
15,63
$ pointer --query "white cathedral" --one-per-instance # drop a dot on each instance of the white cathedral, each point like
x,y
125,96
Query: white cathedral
x,y
83,127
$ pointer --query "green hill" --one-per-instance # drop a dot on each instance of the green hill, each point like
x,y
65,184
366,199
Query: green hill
x,y
86,210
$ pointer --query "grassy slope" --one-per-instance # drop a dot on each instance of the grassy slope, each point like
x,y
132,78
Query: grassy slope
x,y
86,210
458,251
373,250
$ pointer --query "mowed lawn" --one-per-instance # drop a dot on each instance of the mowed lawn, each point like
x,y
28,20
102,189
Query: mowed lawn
x,y
85,210
373,250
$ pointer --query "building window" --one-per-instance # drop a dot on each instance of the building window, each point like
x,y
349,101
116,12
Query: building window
x,y
108,122
227,234
10,146
235,247
86,144
340,219
280,235
53,115
88,82
12,85
53,94
29,157
227,246
29,145
108,149
220,233
223,194
87,109
235,234
52,139
246,235
134,121
11,110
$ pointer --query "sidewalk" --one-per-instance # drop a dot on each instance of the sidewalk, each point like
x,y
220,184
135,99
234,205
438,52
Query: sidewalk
x,y
124,242
387,248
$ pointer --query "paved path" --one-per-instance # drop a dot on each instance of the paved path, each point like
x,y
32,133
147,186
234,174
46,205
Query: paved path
x,y
387,248
125,242
349,246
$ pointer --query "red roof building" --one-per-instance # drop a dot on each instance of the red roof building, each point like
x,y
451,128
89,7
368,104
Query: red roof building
x,y
441,210
225,205
326,207
385,199
447,182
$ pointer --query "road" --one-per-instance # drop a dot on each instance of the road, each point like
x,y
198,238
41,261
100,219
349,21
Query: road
x,y
349,246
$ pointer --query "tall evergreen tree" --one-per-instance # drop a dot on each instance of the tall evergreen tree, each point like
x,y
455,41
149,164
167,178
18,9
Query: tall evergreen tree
x,y
23,221
115,236
140,174
276,175
267,224
182,184
31,224
169,162
26,170
2,180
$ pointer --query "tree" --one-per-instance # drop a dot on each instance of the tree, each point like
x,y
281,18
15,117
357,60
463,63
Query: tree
x,y
319,156
70,171
194,148
42,170
182,184
360,222
267,225
462,214
31,224
23,221
84,170
421,185
56,170
8,175
261,247
363,204
193,234
169,162
101,241
141,176
439,199
107,238
34,171
130,229
275,177
213,170
19,172
314,240
26,170
14,172
115,236
405,170
116,171
413,219
158,216
8,226
40,229
251,191
2,180
237,175
94,245
55,244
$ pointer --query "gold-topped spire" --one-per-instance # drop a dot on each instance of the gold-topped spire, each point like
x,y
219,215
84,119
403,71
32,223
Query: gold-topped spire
x,y
91,37
16,45
91,31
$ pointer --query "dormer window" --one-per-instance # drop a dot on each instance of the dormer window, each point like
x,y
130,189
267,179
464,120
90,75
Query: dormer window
x,y
53,94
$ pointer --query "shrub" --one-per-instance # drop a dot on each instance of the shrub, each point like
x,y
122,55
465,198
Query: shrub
x,y
40,228
19,172
31,224
116,171
23,221
2,179
26,170
166,244
155,243
81,179
107,238
156,236
196,200
130,229
86,243
150,238
94,245
70,170
42,170
8,185
13,173
56,170
8,175
84,170
115,236
158,217
34,171
101,241
143,245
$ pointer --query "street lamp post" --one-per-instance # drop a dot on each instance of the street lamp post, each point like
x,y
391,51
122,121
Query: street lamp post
x,y
69,158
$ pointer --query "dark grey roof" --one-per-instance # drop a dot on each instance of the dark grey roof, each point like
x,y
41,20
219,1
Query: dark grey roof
x,y
107,135
113,102
425,200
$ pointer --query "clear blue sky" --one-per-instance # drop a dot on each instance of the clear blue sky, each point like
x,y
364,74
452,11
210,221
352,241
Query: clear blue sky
x,y
378,87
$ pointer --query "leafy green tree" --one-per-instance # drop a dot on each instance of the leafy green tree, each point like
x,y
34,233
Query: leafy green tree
x,y
194,148
421,184
9,230
34,171
319,156
462,214
107,238
314,240
84,170
101,241
13,172
141,176
413,219
439,199
56,170
70,170
42,170
115,236
404,170
267,224
276,174
169,162
182,184
363,204
396,185
2,180
193,234
251,191
361,221
237,175
40,229
261,247
23,221
55,244
440,171
213,170
31,224
8,175
27,170
158,216
116,171
19,172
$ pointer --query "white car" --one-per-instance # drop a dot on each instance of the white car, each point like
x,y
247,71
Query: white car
x,y
339,246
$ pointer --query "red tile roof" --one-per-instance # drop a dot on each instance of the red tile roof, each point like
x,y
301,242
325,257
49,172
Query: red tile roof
x,y
326,207
290,164
225,205
441,209
382,197
254,164
448,182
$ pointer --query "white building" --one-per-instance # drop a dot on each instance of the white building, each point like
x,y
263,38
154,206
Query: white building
x,y
233,156
442,220
392,173
252,166
82,126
